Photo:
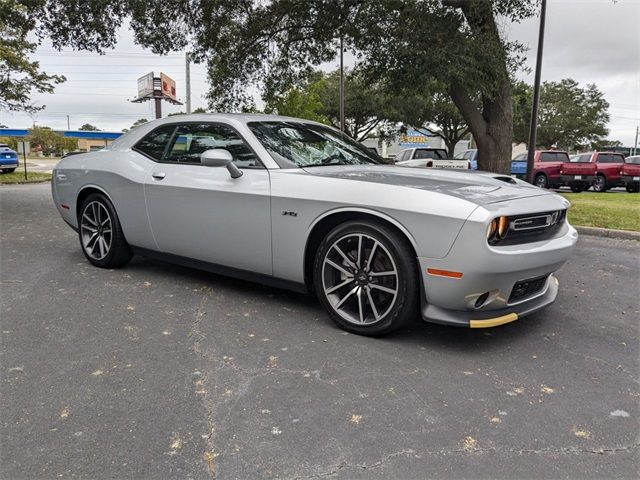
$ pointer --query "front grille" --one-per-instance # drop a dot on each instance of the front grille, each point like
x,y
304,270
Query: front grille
x,y
533,227
527,288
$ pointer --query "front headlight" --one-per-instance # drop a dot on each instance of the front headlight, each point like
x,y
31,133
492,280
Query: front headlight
x,y
497,229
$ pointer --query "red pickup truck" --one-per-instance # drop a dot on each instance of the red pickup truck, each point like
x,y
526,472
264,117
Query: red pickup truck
x,y
600,169
630,174
546,167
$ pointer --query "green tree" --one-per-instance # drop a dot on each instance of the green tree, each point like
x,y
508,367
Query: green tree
x,y
197,110
138,122
367,109
430,110
569,115
50,142
11,141
89,128
269,44
20,77
300,101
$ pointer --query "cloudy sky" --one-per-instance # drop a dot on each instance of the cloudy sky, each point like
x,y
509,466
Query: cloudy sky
x,y
592,41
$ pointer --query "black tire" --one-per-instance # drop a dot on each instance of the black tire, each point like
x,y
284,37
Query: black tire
x,y
577,188
541,181
633,188
119,252
600,184
391,251
8,170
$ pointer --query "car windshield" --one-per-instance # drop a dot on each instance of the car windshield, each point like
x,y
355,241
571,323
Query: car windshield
x,y
635,160
309,145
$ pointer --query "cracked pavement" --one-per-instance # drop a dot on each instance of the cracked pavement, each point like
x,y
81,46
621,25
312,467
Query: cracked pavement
x,y
159,371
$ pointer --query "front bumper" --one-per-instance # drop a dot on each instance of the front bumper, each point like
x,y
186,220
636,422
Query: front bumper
x,y
492,318
482,292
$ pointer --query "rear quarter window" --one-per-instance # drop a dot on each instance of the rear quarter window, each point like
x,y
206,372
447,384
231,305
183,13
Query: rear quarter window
x,y
154,143
610,158
554,157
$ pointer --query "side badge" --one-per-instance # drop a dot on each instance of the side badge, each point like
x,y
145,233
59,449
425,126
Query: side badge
x,y
290,213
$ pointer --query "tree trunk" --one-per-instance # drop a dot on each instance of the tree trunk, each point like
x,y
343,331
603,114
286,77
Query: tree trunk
x,y
451,147
492,129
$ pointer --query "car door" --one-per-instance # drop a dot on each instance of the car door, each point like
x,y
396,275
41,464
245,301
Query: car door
x,y
201,212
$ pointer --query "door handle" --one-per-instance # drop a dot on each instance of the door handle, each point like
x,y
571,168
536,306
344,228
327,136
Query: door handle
x,y
158,175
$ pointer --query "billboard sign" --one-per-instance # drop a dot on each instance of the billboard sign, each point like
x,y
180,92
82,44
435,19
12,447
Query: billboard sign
x,y
145,86
414,138
168,86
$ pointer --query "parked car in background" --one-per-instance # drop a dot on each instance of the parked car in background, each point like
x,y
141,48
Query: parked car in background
x,y
427,157
8,159
571,176
600,169
546,167
471,155
630,174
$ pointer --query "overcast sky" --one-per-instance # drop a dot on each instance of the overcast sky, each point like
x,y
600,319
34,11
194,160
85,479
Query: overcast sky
x,y
592,41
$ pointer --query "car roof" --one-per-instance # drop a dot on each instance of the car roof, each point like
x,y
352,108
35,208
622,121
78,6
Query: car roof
x,y
136,133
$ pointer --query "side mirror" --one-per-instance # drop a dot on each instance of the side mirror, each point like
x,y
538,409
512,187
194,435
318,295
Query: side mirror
x,y
219,157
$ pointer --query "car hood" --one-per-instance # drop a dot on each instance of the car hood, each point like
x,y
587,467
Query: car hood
x,y
475,186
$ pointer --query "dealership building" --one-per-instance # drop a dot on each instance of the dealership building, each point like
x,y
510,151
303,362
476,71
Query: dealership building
x,y
88,141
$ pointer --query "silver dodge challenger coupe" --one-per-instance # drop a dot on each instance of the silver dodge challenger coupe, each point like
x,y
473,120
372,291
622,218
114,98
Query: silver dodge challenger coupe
x,y
299,205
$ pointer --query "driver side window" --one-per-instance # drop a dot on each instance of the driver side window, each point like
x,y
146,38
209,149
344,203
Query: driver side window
x,y
191,140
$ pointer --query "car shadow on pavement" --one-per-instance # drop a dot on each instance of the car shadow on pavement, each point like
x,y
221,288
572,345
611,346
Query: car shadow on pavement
x,y
418,334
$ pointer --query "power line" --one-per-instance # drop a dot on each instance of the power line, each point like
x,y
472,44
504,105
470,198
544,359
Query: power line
x,y
46,52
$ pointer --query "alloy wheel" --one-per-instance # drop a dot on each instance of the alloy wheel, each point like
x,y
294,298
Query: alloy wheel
x,y
96,230
360,279
599,184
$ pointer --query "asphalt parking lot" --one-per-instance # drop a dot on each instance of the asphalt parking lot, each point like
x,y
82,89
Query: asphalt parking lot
x,y
158,371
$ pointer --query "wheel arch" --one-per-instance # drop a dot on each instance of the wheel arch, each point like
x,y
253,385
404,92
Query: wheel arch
x,y
87,190
329,220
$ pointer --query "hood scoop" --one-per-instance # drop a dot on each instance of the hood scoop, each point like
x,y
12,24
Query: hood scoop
x,y
505,178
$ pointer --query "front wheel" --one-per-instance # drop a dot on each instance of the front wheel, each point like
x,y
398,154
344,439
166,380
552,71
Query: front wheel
x,y
576,188
600,184
101,236
365,276
8,170
633,188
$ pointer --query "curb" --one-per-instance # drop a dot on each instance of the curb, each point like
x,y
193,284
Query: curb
x,y
608,233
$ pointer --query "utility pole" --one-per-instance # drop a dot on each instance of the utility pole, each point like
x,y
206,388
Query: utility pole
x,y
68,124
187,74
536,96
635,146
341,84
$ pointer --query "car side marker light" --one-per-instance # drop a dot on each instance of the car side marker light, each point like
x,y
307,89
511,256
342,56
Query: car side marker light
x,y
444,273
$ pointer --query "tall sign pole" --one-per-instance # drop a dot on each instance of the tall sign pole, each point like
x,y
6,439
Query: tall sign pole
x,y
536,96
187,75
341,84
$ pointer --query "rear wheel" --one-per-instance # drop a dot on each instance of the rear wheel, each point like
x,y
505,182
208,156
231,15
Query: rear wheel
x,y
8,170
541,180
633,188
100,233
365,276
577,188
600,184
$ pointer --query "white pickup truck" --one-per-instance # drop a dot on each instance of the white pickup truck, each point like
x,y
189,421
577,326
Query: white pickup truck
x,y
426,157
